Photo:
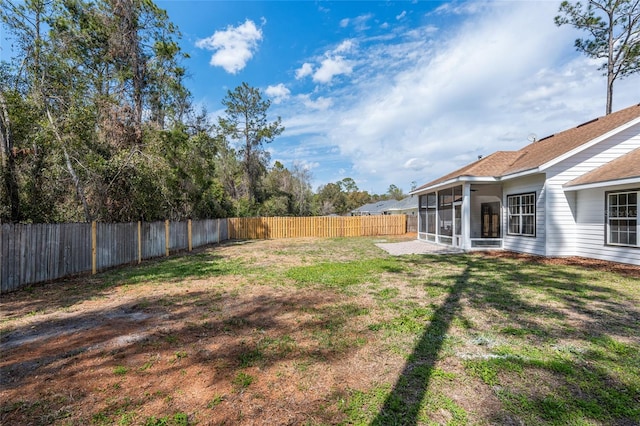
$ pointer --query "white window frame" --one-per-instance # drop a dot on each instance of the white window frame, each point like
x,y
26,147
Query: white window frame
x,y
519,208
622,210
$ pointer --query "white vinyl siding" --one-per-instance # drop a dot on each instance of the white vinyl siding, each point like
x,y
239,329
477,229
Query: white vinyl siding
x,y
562,233
591,231
523,186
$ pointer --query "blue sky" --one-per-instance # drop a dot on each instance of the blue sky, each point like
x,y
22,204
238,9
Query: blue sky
x,y
395,92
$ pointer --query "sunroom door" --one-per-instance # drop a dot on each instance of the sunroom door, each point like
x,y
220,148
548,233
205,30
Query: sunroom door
x,y
457,225
490,220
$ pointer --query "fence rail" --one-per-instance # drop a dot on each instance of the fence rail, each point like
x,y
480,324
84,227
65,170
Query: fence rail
x,y
33,253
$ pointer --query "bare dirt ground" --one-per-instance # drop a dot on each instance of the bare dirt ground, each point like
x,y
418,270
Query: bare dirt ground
x,y
582,262
219,349
79,351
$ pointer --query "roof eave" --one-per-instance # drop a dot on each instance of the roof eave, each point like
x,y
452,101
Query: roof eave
x,y
459,179
603,184
521,173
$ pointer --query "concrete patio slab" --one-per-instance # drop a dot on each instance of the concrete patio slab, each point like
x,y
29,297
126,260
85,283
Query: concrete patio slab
x,y
416,247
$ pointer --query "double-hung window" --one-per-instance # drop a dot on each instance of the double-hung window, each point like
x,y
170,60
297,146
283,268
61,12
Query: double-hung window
x,y
522,214
622,220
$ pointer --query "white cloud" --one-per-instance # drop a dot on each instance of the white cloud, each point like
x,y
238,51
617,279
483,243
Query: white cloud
x,y
416,108
464,8
361,23
320,104
345,47
333,63
416,164
305,70
306,165
278,92
402,15
331,67
233,47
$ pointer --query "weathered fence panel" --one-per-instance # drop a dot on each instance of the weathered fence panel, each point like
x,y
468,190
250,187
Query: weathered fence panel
x,y
178,236
33,253
153,239
208,231
74,238
116,244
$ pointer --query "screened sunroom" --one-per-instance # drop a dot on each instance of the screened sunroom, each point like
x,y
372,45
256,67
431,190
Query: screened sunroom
x,y
466,216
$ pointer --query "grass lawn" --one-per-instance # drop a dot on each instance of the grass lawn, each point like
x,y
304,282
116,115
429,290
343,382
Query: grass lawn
x,y
325,332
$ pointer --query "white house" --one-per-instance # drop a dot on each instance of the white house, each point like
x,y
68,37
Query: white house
x,y
574,193
408,206
374,209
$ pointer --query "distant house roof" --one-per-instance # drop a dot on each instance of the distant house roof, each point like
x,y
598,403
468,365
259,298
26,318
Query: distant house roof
x,y
544,151
625,167
406,203
383,206
377,207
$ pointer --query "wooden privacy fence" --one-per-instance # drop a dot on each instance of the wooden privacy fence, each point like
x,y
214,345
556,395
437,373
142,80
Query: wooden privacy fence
x,y
255,228
34,253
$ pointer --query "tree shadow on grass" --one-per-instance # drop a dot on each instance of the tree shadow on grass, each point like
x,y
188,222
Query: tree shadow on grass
x,y
566,353
133,354
204,262
402,405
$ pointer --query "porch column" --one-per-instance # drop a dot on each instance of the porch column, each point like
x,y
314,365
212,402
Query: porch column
x,y
437,227
466,216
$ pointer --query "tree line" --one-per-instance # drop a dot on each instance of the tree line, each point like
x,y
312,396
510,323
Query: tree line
x,y
96,124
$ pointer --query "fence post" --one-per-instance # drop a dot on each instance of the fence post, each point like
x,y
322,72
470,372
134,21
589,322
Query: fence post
x,y
189,234
139,242
166,238
94,251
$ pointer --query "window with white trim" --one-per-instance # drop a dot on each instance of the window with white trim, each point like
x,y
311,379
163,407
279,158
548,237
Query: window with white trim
x,y
521,210
622,220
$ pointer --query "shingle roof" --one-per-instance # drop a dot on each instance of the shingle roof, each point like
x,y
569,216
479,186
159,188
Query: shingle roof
x,y
625,167
536,154
551,147
406,203
375,207
489,166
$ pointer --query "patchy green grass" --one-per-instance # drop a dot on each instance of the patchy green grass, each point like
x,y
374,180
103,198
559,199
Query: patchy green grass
x,y
342,275
176,269
330,331
242,381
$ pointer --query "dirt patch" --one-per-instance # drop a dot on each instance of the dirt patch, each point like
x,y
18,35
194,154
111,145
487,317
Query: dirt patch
x,y
219,349
582,262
